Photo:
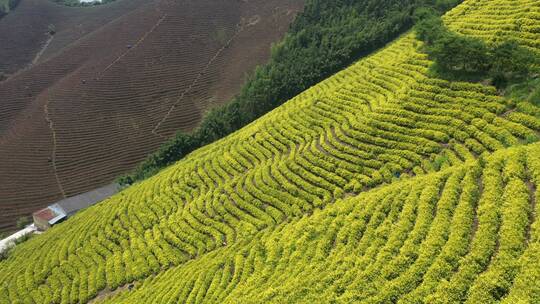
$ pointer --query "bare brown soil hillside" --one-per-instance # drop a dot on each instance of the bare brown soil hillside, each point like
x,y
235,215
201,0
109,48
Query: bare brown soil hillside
x,y
98,99
24,32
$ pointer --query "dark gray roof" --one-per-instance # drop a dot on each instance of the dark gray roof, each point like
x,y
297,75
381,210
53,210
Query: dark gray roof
x,y
73,204
58,212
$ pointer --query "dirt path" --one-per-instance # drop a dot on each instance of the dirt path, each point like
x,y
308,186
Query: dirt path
x,y
38,55
34,61
240,27
53,132
106,293
141,40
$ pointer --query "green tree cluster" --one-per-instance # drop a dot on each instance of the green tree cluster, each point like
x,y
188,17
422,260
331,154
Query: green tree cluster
x,y
459,54
327,37
6,6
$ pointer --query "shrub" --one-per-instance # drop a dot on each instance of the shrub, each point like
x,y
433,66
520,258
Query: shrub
x,y
22,222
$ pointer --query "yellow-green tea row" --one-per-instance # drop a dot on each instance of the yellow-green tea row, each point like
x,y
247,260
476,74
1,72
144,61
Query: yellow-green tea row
x,y
469,234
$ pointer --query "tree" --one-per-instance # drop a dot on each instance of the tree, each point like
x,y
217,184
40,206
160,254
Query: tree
x,y
430,28
474,54
510,58
453,52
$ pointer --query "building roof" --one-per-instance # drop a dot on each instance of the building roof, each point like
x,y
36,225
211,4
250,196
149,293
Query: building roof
x,y
66,207
52,214
46,214
60,214
73,204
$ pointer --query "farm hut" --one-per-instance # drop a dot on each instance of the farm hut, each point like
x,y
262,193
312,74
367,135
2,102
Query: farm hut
x,y
47,217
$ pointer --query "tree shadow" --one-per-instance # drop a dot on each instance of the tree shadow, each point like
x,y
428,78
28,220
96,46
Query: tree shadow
x,y
459,75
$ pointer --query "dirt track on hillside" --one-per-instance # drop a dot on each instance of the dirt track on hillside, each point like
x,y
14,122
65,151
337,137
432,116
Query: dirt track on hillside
x,y
99,100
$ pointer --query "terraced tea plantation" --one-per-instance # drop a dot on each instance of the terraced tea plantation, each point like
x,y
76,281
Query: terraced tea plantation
x,y
457,235
379,185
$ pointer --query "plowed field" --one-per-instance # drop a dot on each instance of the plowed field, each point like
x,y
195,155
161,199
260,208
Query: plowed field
x,y
88,104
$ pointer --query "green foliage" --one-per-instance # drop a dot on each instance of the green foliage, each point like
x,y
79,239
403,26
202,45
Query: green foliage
x,y
439,161
51,29
462,235
7,251
24,238
462,56
305,204
453,52
509,57
22,222
181,144
5,254
6,6
535,96
527,89
428,28
325,38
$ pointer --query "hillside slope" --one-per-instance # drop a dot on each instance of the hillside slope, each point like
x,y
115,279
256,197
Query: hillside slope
x,y
443,176
25,30
132,81
426,239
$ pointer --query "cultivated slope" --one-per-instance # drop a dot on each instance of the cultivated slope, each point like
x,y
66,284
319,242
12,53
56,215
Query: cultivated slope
x,y
24,32
418,179
463,234
95,108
